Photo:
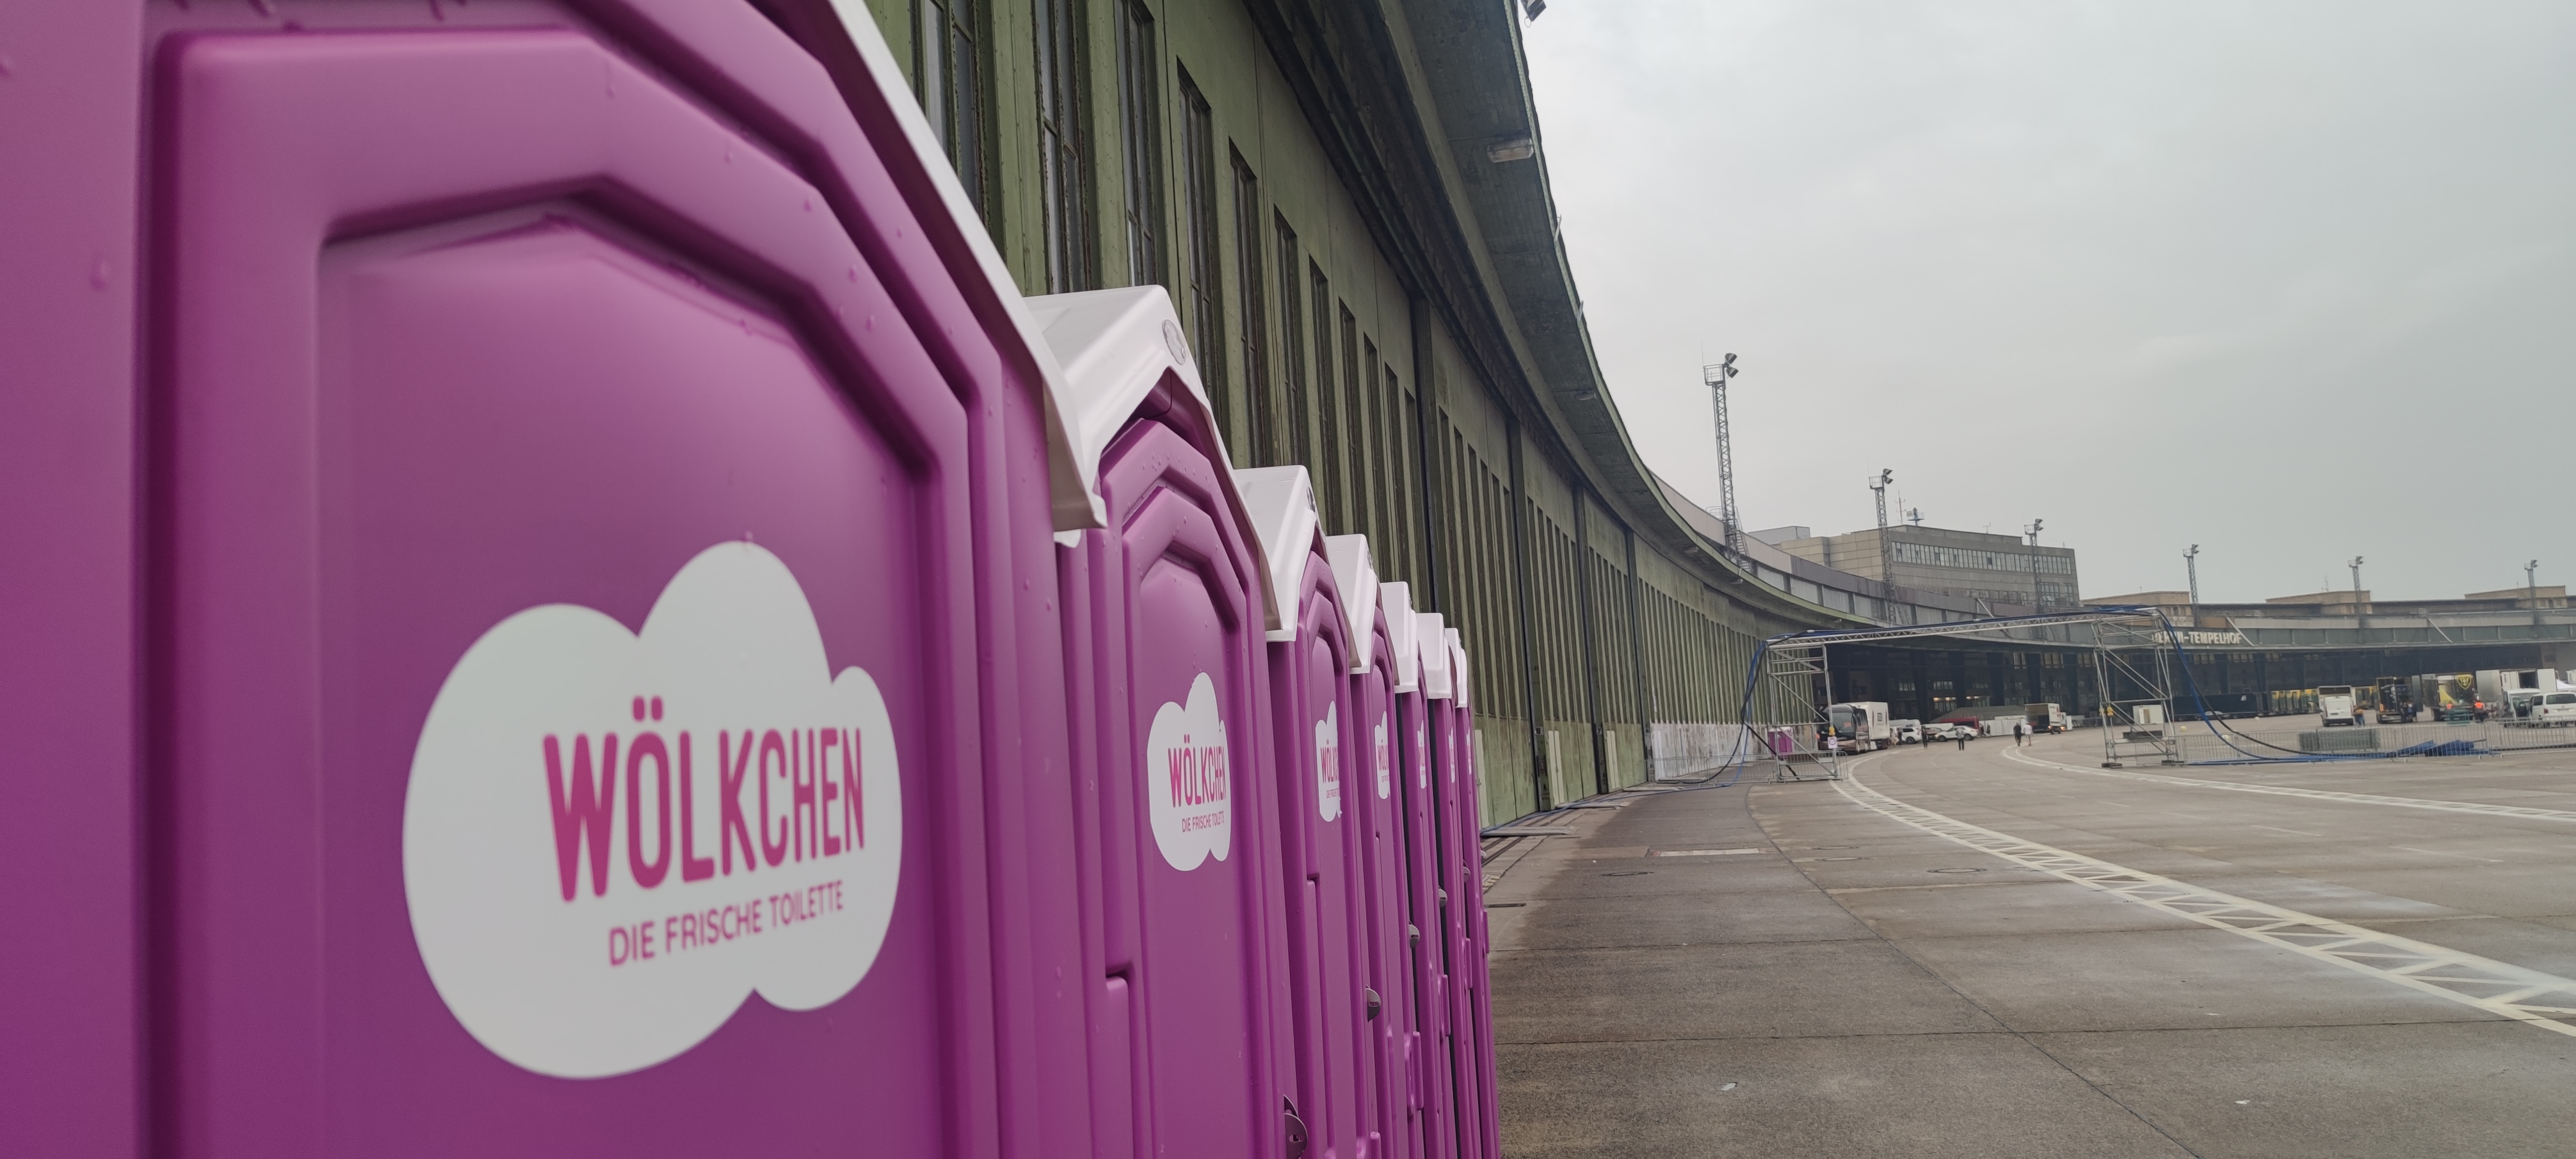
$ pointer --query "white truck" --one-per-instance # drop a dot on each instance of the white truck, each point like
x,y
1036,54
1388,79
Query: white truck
x,y
2046,718
1862,725
2336,706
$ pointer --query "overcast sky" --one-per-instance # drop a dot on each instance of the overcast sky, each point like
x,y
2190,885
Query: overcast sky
x,y
2294,281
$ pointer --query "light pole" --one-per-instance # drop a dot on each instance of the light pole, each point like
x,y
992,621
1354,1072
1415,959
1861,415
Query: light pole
x,y
2360,618
2191,567
1716,375
2531,585
1886,550
2033,532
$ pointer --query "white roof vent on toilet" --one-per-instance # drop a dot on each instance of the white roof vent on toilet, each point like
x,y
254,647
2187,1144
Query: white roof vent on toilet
x,y
1395,601
1281,504
1435,655
1356,574
1457,667
1112,348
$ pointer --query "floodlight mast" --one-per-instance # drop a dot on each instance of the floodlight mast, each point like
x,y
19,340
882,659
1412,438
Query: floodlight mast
x,y
2191,569
2036,601
1715,375
1886,547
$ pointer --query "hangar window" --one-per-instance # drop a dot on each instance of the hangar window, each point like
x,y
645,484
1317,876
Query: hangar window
x,y
1140,115
1064,149
1254,327
944,39
1202,296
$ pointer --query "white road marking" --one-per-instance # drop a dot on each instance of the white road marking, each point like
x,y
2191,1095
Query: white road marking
x,y
2276,829
2316,794
1705,852
2501,988
2439,853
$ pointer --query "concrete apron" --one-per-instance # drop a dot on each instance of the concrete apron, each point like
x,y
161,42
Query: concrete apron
x,y
1785,970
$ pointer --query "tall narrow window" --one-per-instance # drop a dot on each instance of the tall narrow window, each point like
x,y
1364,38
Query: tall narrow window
x,y
1198,224
1354,453
1292,352
1140,116
944,34
1403,488
1381,465
1326,468
1254,326
1063,176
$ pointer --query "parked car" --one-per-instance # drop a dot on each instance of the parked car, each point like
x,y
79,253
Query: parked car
x,y
1907,731
1948,730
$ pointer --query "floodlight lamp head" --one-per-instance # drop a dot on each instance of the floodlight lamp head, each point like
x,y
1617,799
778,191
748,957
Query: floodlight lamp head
x,y
1729,361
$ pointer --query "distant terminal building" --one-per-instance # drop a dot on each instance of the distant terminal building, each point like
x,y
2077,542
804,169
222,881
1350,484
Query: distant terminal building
x,y
2267,656
2309,611
2001,572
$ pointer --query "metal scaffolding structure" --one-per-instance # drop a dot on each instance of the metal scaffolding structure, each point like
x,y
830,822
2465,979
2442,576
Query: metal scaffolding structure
x,y
2134,664
1792,696
1789,689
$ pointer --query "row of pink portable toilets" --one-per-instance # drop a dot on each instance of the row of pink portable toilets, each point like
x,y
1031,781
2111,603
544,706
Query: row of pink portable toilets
x,y
649,645
1359,831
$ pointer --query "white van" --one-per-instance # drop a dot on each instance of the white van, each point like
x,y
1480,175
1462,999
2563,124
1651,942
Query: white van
x,y
2555,710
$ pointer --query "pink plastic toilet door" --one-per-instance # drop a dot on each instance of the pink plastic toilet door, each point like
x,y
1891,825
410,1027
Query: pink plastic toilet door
x,y
1416,715
569,728
1460,864
1183,870
1389,958
1323,860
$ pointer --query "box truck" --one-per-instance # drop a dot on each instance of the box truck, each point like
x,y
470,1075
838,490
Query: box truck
x,y
2335,705
1862,725
2046,718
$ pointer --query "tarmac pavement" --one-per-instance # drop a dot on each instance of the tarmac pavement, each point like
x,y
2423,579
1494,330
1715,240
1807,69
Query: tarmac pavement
x,y
1861,985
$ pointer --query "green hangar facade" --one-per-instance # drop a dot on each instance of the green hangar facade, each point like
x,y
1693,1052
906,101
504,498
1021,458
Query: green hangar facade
x,y
1348,200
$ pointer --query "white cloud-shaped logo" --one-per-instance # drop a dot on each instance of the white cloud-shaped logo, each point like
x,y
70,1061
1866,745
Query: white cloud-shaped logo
x,y
1385,767
1189,788
1328,763
612,839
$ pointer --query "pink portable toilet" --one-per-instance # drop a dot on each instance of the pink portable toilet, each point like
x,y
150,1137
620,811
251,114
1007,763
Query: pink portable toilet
x,y
1380,817
1476,1026
1436,848
1165,612
1418,871
579,596
1426,1049
1462,869
1315,713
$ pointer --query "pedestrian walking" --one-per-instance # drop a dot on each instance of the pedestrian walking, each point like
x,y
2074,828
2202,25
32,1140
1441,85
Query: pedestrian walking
x,y
2021,733
1960,735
